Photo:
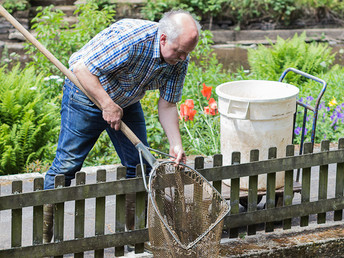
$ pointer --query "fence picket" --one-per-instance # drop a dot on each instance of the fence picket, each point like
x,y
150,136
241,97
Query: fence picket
x,y
199,164
217,162
140,211
79,218
37,228
270,189
59,213
100,212
120,211
288,186
234,194
306,184
252,192
338,214
323,181
16,228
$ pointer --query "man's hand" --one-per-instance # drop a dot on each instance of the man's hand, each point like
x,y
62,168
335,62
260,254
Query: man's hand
x,y
178,152
113,114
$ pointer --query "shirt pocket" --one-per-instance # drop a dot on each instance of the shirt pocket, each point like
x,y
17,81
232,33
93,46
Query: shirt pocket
x,y
129,79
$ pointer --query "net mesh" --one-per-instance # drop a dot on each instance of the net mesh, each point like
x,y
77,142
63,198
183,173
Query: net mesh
x,y
191,209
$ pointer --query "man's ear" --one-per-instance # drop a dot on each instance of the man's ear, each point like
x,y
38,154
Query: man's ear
x,y
163,39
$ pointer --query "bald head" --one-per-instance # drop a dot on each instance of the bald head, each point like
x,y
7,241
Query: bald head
x,y
188,26
176,23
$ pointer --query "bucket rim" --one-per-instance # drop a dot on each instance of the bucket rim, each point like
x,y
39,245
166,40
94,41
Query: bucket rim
x,y
243,99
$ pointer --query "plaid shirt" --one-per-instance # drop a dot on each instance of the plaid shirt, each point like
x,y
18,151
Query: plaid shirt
x,y
126,59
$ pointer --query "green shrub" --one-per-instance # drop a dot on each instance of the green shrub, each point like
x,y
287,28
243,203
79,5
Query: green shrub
x,y
15,5
29,121
248,11
269,62
63,40
207,9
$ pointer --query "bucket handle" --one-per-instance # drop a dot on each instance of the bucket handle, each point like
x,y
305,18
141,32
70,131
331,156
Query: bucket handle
x,y
243,111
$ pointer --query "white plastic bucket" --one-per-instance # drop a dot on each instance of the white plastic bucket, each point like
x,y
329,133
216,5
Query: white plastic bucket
x,y
256,114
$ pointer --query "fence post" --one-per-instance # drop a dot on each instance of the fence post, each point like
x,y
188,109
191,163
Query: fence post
x,y
120,211
37,231
59,213
270,189
100,212
288,186
306,184
79,218
338,214
140,211
323,180
16,237
235,194
252,198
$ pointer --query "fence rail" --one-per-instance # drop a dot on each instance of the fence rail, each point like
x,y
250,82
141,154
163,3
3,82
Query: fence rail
x,y
214,172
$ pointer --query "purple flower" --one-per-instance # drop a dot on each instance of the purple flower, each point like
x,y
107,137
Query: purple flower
x,y
297,130
340,115
309,98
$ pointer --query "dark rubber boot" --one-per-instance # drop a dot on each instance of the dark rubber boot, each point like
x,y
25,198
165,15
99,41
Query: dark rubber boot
x,y
48,217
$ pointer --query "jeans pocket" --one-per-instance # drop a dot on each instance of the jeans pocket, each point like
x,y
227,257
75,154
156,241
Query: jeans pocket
x,y
80,98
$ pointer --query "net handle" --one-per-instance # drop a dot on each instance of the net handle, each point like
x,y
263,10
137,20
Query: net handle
x,y
143,172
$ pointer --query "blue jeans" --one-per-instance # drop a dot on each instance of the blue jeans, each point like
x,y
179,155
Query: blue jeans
x,y
81,125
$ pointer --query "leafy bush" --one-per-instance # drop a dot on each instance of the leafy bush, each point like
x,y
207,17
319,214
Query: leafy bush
x,y
15,5
330,9
29,121
154,9
241,12
270,62
245,12
63,40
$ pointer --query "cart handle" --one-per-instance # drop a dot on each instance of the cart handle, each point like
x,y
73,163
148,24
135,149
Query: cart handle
x,y
317,103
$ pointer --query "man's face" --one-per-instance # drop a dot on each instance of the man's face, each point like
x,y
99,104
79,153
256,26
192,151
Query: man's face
x,y
177,50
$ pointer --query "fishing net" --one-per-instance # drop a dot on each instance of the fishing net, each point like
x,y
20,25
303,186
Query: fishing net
x,y
185,213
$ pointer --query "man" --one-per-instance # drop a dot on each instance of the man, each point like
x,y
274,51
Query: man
x,y
116,68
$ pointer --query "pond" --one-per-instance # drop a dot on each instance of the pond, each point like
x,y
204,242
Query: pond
x,y
233,58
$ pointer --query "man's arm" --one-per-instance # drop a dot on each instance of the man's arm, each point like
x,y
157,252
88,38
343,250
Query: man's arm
x,y
168,116
112,113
